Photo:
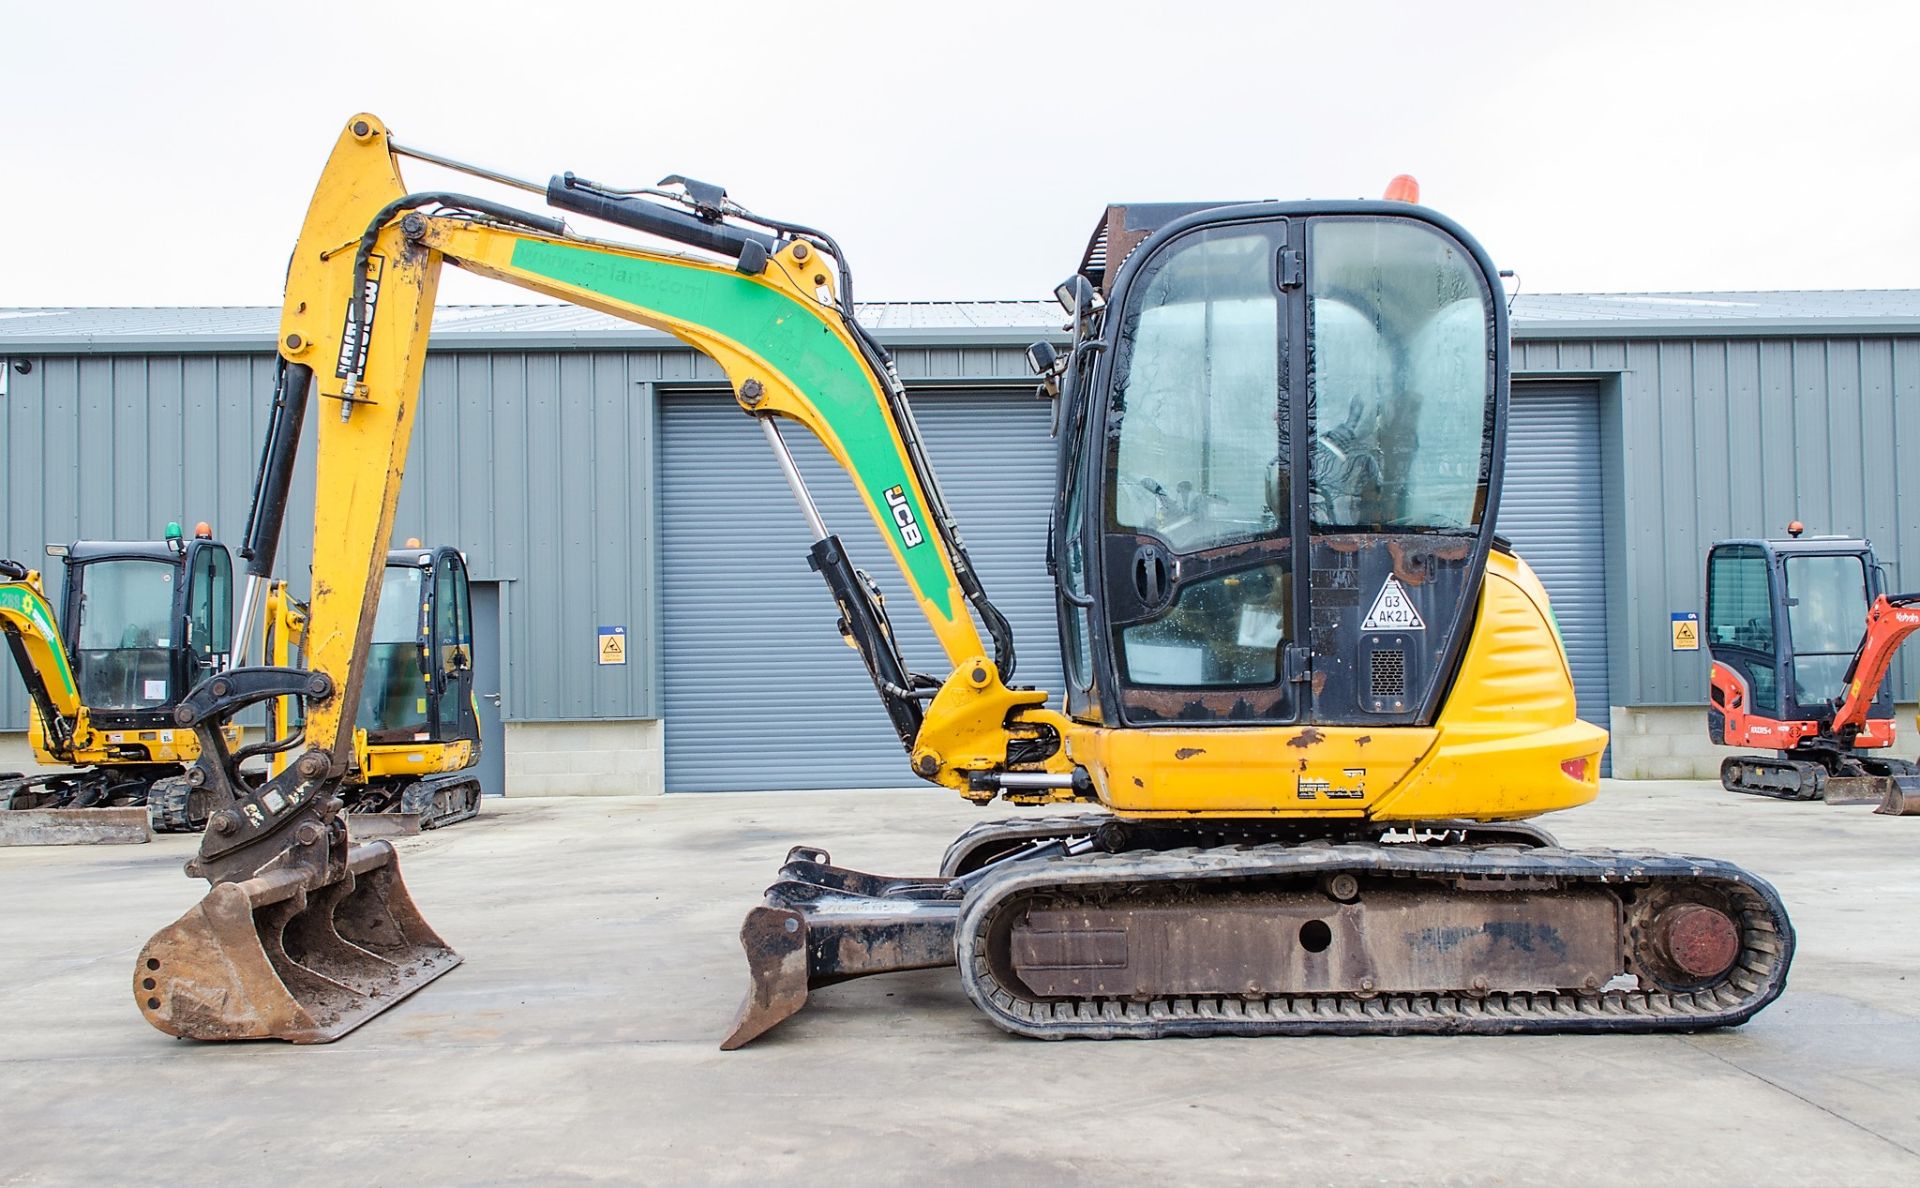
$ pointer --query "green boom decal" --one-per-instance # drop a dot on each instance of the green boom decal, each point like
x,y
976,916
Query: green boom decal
x,y
790,337
21,602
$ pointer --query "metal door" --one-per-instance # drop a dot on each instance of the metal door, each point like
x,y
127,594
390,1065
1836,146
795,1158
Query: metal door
x,y
760,692
1551,510
487,688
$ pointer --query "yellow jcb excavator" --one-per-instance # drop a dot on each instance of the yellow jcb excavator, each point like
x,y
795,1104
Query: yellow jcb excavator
x,y
1311,698
416,739
141,623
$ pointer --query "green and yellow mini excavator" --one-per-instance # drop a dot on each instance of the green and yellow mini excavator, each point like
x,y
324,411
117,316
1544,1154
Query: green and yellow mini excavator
x,y
1312,701
142,622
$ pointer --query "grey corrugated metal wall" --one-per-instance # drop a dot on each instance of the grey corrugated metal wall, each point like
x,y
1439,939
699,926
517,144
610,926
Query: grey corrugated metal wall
x,y
550,454
1550,508
539,464
1735,437
759,690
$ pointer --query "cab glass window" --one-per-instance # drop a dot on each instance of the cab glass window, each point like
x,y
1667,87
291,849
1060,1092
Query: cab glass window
x,y
1225,630
210,605
1400,378
1196,426
453,638
1826,617
393,698
1739,607
123,645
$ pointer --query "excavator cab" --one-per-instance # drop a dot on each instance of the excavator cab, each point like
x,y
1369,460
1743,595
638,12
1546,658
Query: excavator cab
x,y
417,732
148,621
1282,473
1800,631
420,660
1784,620
141,622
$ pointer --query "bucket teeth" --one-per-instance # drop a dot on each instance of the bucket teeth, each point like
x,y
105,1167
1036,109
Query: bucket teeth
x,y
271,958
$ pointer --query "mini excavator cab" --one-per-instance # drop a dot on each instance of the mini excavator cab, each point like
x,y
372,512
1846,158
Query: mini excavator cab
x,y
141,622
1280,481
148,620
419,684
1785,617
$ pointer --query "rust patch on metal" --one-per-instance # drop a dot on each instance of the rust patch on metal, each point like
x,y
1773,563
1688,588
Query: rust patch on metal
x,y
1363,740
1138,782
1307,738
1413,558
1189,752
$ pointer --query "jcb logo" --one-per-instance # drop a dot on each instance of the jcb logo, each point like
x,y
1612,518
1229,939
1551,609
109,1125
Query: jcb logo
x,y
903,516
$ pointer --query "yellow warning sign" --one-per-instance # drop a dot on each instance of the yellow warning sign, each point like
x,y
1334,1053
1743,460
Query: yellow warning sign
x,y
613,645
1686,632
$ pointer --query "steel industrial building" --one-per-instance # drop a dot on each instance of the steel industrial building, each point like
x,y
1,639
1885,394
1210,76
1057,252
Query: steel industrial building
x,y
598,476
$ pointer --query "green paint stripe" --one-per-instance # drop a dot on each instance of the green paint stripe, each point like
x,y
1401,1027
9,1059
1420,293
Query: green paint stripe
x,y
22,601
790,337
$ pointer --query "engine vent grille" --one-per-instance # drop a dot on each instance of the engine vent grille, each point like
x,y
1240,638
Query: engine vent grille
x,y
1389,672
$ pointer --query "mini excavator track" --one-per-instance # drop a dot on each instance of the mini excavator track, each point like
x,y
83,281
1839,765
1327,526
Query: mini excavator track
x,y
1448,928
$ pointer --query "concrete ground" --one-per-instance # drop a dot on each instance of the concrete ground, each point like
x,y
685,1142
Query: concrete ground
x,y
578,1042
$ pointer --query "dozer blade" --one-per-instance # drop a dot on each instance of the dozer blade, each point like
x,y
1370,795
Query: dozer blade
x,y
272,958
74,827
823,924
1862,789
367,826
1902,797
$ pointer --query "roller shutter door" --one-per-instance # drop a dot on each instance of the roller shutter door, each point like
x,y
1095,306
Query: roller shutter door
x,y
759,692
1550,508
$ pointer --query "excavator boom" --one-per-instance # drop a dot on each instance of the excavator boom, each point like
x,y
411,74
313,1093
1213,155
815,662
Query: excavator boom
x,y
353,337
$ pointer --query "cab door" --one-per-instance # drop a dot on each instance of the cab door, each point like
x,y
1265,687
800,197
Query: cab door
x,y
451,650
207,610
1296,467
1195,524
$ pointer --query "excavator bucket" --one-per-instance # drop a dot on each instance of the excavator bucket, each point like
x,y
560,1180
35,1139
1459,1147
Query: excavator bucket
x,y
1901,798
271,958
74,827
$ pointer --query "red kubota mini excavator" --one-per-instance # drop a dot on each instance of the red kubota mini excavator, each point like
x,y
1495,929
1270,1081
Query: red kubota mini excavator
x,y
1802,633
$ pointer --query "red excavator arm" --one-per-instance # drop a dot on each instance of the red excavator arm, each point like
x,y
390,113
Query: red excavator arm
x,y
1889,621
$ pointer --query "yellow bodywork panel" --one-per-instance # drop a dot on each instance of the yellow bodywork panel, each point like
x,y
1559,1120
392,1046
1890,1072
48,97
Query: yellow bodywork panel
x,y
1495,753
399,759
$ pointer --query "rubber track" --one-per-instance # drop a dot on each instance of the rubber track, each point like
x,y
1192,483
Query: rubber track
x,y
168,802
1757,978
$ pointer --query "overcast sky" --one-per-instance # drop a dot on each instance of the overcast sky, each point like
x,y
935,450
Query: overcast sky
x,y
163,154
